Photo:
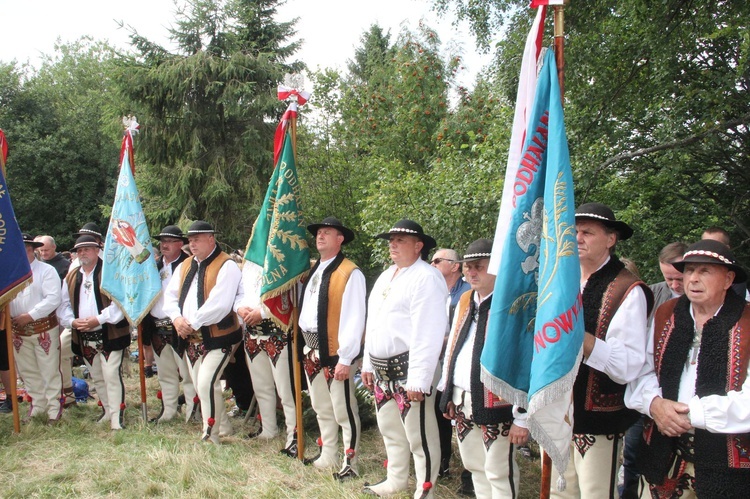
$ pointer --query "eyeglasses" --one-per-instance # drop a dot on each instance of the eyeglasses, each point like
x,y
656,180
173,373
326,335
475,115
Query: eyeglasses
x,y
437,261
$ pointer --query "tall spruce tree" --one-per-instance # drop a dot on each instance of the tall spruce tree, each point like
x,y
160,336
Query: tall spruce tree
x,y
208,112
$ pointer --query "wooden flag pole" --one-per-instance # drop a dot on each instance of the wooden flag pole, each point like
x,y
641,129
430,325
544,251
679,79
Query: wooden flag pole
x,y
10,391
559,19
297,365
141,369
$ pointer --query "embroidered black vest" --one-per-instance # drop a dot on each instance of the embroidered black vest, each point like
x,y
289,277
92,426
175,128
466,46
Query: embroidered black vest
x,y
599,405
722,463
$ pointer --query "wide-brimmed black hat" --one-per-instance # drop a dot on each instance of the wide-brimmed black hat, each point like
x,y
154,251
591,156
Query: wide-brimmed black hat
x,y
604,214
714,252
200,227
86,241
336,224
410,228
481,248
27,239
89,229
171,231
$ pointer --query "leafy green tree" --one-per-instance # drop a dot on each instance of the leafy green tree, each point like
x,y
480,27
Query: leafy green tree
x,y
656,110
208,112
64,138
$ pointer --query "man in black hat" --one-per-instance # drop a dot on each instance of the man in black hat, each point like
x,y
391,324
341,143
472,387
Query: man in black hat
x,y
332,322
99,331
36,336
93,230
695,387
159,333
406,325
200,302
616,305
486,432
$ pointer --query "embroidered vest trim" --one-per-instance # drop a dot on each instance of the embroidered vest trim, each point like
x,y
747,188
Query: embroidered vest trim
x,y
114,336
227,331
332,287
486,407
599,401
722,367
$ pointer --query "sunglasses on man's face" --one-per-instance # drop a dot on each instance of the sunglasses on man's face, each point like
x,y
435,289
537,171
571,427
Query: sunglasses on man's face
x,y
437,261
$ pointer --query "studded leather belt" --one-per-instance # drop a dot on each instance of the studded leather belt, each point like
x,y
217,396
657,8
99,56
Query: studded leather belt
x,y
38,326
393,368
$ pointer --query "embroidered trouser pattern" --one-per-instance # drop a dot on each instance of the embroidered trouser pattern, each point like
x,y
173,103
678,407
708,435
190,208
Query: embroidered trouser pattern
x,y
170,367
335,405
268,362
486,451
206,372
106,375
592,469
408,429
38,361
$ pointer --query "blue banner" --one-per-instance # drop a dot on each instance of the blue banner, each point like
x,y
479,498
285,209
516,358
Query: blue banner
x,y
15,270
535,330
129,274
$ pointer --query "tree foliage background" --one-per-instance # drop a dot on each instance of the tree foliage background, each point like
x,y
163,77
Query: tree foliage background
x,y
656,111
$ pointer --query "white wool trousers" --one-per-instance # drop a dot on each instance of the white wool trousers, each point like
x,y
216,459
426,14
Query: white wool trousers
x,y
106,375
493,469
268,379
206,374
38,362
170,367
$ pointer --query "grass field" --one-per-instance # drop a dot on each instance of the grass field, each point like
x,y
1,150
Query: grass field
x,y
79,458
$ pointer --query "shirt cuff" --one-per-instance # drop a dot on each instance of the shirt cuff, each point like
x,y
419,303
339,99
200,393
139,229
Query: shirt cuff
x,y
697,415
599,355
519,418
344,361
101,319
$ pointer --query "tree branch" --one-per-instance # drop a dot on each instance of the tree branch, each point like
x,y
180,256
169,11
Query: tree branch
x,y
721,127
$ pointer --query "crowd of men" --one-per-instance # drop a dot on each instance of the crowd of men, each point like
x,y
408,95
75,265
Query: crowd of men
x,y
665,365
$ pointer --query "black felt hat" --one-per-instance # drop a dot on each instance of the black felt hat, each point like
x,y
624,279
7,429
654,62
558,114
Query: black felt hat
x,y
27,239
86,241
171,231
410,228
714,252
604,214
89,229
200,227
336,224
481,248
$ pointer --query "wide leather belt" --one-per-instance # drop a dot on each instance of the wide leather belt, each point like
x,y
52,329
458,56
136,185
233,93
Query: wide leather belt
x,y
38,326
266,327
685,447
312,340
393,368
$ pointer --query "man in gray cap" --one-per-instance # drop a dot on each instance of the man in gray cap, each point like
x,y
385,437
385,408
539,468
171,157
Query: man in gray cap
x,y
487,427
332,322
200,302
695,388
406,325
36,336
99,331
159,333
616,305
